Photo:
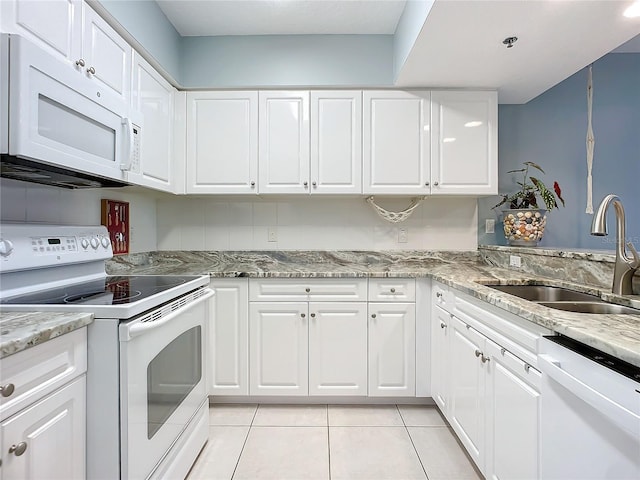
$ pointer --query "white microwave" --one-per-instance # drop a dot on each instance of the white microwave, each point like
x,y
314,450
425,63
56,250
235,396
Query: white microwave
x,y
59,127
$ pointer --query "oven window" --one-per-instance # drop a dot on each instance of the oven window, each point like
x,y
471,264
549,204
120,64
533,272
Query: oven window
x,y
171,375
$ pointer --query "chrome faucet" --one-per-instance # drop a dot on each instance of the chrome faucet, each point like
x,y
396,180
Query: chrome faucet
x,y
625,267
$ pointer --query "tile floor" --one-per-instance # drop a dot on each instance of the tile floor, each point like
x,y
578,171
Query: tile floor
x,y
298,442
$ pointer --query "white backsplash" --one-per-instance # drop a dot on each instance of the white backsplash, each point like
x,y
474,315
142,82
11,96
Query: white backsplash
x,y
27,202
303,223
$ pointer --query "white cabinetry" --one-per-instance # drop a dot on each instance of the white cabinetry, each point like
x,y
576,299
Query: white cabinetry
x,y
392,337
465,143
222,142
229,337
283,141
43,419
336,141
396,142
153,96
73,32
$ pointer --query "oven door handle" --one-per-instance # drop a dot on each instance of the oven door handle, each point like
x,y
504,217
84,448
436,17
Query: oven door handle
x,y
137,329
616,413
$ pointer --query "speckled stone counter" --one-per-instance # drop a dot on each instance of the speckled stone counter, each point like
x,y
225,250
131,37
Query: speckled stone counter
x,y
470,272
22,330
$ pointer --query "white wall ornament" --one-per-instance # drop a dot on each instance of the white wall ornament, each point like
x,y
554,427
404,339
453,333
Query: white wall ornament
x,y
395,217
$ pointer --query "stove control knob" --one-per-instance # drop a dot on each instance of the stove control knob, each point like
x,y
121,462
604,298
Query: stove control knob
x,y
6,247
105,242
85,243
95,243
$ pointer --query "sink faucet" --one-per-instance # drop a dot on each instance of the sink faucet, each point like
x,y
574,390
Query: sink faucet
x,y
625,267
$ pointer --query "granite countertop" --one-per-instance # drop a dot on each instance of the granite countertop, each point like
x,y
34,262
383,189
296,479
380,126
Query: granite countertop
x,y
22,330
618,335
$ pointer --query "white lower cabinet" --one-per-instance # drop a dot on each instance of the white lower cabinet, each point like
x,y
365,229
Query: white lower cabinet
x,y
229,337
440,325
392,349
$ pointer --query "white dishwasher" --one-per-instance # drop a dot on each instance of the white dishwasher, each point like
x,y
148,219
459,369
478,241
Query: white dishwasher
x,y
590,413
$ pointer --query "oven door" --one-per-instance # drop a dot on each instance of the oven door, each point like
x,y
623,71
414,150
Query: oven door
x,y
60,117
162,379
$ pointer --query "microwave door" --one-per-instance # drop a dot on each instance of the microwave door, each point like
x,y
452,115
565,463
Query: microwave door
x,y
62,118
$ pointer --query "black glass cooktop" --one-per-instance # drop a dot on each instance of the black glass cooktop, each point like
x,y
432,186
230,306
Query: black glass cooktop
x,y
112,290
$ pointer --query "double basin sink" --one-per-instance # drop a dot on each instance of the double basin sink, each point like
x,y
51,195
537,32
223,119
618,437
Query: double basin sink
x,y
565,299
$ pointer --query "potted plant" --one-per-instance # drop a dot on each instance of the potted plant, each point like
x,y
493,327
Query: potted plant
x,y
524,221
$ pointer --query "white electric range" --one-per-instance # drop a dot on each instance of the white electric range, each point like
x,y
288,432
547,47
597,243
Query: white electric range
x,y
147,406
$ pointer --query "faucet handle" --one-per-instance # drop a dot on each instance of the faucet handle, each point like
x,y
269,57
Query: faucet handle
x,y
635,263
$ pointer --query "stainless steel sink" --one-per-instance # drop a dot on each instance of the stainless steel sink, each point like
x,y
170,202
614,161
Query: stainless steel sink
x,y
592,307
545,293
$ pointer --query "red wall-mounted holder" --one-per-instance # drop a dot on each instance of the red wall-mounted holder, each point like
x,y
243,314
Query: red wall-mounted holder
x,y
115,216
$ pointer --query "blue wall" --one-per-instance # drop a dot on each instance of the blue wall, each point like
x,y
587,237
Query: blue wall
x,y
551,130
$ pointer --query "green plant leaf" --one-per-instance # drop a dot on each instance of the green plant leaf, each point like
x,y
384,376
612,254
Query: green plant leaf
x,y
534,165
546,194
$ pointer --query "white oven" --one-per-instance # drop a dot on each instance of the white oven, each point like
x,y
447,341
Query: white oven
x,y
162,380
57,117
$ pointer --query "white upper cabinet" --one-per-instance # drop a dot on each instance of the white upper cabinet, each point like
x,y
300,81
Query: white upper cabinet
x,y
396,142
106,54
336,141
222,142
54,25
284,142
464,143
74,32
154,97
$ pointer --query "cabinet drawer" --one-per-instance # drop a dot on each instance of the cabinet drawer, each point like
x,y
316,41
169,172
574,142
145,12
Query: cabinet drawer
x,y
296,289
38,371
392,290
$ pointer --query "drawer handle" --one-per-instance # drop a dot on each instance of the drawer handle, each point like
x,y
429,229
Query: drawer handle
x,y
373,315
18,449
502,351
7,390
478,352
307,289
527,367
91,71
443,325
393,290
485,359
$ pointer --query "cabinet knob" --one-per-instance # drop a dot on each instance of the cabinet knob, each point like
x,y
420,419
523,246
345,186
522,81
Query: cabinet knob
x,y
18,449
502,351
439,295
435,184
478,352
373,315
80,62
306,184
91,70
443,325
527,367
315,184
7,390
303,315
307,289
485,359
426,184
313,315
393,290
253,184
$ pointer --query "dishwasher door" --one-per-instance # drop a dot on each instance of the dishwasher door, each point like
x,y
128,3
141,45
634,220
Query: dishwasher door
x,y
590,417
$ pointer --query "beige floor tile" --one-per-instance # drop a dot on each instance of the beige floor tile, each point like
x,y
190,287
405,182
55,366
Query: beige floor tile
x,y
285,453
221,414
441,455
364,415
373,453
291,416
219,458
421,416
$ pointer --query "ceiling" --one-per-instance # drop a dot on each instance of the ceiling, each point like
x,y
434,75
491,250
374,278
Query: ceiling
x,y
460,44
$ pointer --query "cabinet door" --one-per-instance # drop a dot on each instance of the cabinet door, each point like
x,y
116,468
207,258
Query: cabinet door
x,y
338,348
278,342
392,349
222,142
336,141
229,338
54,25
53,430
284,142
467,379
153,96
440,357
513,415
464,139
107,55
396,142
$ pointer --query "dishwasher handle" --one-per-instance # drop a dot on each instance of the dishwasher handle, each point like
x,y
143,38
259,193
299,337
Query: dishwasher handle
x,y
617,414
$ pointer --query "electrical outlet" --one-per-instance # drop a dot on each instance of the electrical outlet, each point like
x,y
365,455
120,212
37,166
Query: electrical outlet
x,y
514,261
272,234
489,225
403,236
